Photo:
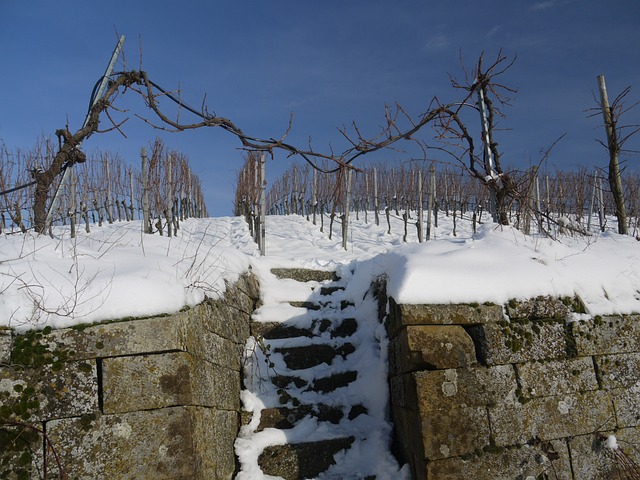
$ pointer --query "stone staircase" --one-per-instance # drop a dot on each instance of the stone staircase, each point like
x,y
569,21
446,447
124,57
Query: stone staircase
x,y
310,370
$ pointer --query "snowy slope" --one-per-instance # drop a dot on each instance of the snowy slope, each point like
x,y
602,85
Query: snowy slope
x,y
116,271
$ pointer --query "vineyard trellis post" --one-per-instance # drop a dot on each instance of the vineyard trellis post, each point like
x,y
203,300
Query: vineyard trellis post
x,y
314,195
168,213
420,205
263,205
109,200
375,196
593,200
347,207
615,180
601,205
432,193
72,204
146,218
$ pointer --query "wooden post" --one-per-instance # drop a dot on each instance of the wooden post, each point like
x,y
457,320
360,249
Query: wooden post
x,y
72,203
345,217
146,218
168,202
615,181
593,201
432,193
314,195
420,205
375,195
263,205
109,199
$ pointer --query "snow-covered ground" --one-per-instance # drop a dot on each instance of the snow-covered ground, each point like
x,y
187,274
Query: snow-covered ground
x,y
116,271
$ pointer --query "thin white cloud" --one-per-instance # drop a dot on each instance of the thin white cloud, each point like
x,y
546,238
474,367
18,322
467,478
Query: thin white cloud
x,y
545,5
493,31
436,43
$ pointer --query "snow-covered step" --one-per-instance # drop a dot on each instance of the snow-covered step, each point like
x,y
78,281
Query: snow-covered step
x,y
312,412
305,274
284,418
301,358
301,460
339,328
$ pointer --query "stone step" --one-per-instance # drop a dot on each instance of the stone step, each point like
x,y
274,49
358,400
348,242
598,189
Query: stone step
x,y
327,291
321,385
346,328
306,304
276,330
333,382
284,417
305,274
300,358
301,460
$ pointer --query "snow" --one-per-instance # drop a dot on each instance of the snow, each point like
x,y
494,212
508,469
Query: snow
x,y
116,271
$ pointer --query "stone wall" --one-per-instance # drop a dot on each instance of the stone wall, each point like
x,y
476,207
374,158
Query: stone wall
x,y
514,392
154,398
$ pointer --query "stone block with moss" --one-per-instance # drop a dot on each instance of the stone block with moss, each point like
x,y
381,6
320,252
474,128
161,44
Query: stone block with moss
x,y
160,444
520,341
6,344
537,461
461,431
619,370
446,314
607,335
419,347
543,307
439,391
550,418
556,377
146,382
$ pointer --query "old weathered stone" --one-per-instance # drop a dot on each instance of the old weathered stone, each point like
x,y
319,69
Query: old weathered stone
x,y
550,418
304,274
618,371
407,425
145,382
556,377
36,394
462,430
545,460
518,342
155,445
6,343
196,330
593,460
627,404
441,390
542,307
420,347
607,335
228,319
403,315
214,348
301,460
149,335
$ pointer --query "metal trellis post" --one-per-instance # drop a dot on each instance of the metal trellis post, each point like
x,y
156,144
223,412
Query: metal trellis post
x,y
100,91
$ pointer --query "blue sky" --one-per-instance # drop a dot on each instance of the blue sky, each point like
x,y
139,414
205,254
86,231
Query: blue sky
x,y
329,62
